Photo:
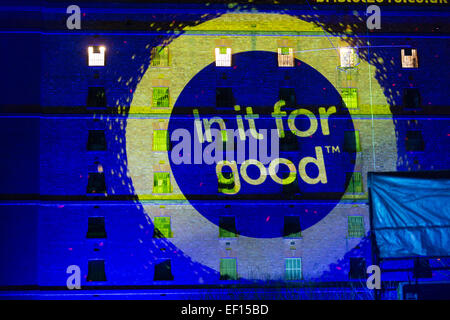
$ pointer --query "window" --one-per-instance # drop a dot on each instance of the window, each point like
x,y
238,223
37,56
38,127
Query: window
x,y
228,270
227,227
223,57
96,227
409,58
292,188
414,141
348,57
289,142
96,140
293,268
96,270
356,227
285,57
288,95
160,57
161,182
162,227
411,98
292,227
357,268
355,183
224,97
351,141
288,189
224,136
160,140
350,97
96,56
225,181
422,268
163,271
160,97
96,97
96,183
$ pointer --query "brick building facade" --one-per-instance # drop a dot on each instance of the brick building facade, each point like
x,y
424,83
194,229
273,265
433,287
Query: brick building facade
x,y
86,196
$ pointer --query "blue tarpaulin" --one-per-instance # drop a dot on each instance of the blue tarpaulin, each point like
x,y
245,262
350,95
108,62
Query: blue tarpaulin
x,y
410,214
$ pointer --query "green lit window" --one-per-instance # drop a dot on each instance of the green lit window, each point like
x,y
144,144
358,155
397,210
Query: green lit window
x,y
351,141
223,50
350,97
285,51
227,227
355,184
225,182
160,140
293,268
162,227
160,57
161,182
224,135
356,227
160,97
228,270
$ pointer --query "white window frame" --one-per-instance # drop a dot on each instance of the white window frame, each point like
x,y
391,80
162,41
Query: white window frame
x,y
411,61
96,59
348,57
286,60
293,268
223,60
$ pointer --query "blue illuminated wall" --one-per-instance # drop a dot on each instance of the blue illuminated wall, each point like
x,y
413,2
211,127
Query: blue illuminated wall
x,y
44,206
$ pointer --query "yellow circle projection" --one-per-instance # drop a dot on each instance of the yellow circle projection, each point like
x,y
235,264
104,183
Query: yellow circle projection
x,y
320,245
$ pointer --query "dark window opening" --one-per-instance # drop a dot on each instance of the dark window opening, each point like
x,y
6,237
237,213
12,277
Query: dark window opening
x,y
422,268
224,98
289,142
292,188
411,98
351,141
96,97
227,227
96,227
96,140
357,268
96,270
96,183
408,52
288,95
414,141
163,271
292,227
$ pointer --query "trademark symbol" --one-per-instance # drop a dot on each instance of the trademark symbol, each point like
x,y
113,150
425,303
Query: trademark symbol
x,y
334,149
